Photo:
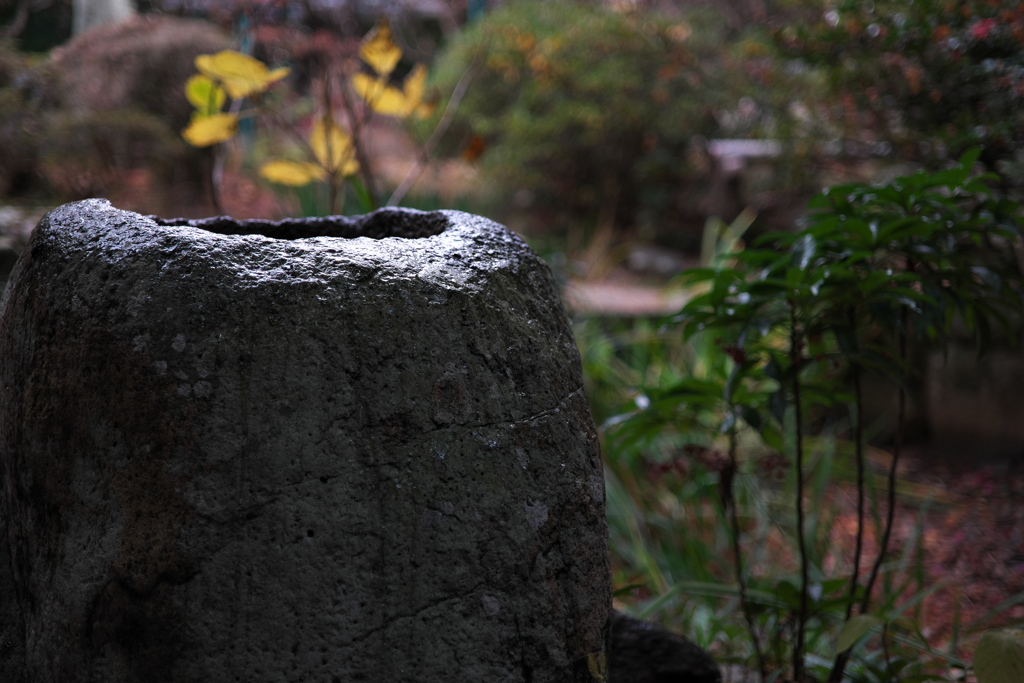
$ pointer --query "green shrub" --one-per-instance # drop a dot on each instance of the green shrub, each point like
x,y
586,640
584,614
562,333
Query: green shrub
x,y
930,77
781,335
588,113
76,121
22,114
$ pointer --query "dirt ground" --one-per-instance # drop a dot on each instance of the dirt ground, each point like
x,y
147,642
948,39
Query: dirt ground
x,y
971,547
973,540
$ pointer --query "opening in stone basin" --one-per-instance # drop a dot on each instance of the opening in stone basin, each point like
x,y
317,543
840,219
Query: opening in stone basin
x,y
406,223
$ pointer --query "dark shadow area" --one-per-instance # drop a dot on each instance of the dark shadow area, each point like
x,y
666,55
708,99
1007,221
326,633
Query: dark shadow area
x,y
382,223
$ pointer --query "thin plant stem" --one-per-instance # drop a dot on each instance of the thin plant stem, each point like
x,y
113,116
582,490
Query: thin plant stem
x,y
216,179
748,613
332,180
801,626
358,124
885,651
435,137
219,161
289,128
858,445
839,666
896,450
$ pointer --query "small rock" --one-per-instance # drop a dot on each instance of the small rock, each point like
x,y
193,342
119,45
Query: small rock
x,y
642,652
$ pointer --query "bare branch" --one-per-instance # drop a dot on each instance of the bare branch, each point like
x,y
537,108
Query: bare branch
x,y
435,138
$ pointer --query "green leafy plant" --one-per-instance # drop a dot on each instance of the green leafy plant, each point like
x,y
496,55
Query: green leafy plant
x,y
788,330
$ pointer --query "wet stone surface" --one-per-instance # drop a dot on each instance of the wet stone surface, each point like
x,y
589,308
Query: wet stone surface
x,y
238,450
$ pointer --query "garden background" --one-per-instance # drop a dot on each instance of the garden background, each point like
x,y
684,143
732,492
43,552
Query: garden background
x,y
787,231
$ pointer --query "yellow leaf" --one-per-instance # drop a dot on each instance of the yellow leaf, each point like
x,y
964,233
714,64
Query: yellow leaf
x,y
204,94
379,50
332,147
415,85
349,167
424,110
390,101
368,88
597,665
240,74
204,131
292,173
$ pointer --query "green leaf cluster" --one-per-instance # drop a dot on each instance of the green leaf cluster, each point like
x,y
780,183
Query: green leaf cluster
x,y
925,255
782,329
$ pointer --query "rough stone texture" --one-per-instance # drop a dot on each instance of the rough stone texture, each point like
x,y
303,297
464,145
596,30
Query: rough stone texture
x,y
642,652
12,628
241,458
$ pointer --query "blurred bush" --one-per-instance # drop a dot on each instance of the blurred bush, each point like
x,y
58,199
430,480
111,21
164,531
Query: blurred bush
x,y
38,25
931,78
88,154
10,107
100,116
592,115
141,63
